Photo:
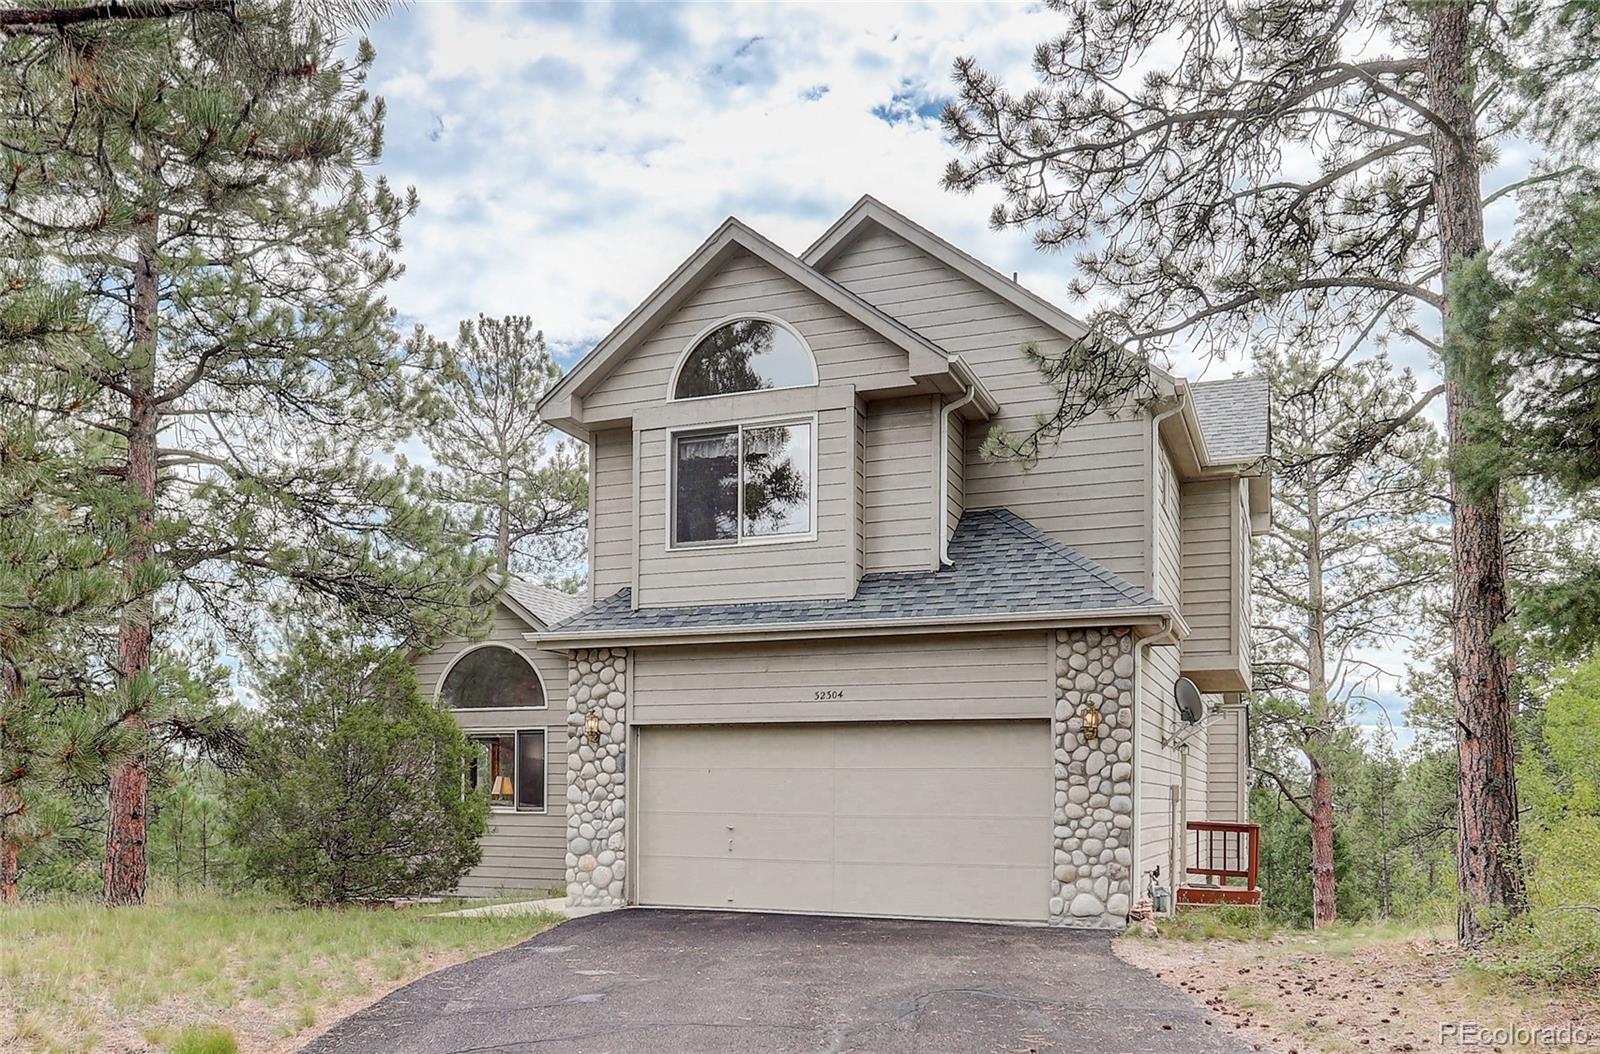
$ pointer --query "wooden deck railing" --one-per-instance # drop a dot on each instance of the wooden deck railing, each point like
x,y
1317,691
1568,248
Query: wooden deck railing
x,y
1220,850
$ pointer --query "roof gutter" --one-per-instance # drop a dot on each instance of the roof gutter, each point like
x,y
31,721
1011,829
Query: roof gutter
x,y
1162,617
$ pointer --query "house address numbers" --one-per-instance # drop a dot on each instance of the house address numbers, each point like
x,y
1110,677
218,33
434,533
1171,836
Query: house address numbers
x,y
830,693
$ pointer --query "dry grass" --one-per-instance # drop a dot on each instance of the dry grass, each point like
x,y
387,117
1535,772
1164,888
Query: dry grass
x,y
188,975
1375,987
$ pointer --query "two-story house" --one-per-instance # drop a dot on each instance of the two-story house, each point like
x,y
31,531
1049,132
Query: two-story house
x,y
834,659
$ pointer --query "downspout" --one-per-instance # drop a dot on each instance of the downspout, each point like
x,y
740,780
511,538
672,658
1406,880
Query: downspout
x,y
1141,654
1142,649
1155,494
970,393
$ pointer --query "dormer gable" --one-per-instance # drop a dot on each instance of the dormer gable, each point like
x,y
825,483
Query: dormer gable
x,y
737,274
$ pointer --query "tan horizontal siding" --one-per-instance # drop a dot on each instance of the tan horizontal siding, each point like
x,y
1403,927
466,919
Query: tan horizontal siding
x,y
1225,790
1197,792
768,571
1169,532
1089,490
1208,574
933,677
846,351
900,502
611,545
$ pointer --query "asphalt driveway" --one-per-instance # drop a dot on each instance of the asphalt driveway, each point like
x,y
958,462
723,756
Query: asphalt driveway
x,y
669,981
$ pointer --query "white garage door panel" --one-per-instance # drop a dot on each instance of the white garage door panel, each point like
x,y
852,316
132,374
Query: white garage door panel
x,y
929,840
778,791
947,819
795,837
986,892
977,793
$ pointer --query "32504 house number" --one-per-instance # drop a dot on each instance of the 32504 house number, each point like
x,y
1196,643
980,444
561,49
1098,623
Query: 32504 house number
x,y
830,693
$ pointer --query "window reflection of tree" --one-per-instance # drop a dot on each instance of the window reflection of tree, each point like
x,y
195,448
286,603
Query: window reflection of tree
x,y
749,355
707,487
777,479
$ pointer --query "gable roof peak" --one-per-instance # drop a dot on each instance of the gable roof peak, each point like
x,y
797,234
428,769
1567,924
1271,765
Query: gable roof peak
x,y
870,210
926,359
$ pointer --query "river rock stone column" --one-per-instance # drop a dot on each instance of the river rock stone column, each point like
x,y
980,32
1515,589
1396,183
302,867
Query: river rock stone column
x,y
1092,883
597,851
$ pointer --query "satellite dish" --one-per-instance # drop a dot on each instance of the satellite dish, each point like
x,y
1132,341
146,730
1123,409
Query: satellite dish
x,y
1190,705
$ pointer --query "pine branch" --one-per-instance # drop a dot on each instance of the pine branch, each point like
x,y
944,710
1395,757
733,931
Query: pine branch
x,y
45,19
1288,795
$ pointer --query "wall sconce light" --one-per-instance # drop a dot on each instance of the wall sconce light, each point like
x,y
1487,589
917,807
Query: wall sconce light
x,y
1091,723
591,726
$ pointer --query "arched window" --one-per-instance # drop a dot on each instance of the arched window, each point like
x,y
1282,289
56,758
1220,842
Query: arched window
x,y
747,355
491,676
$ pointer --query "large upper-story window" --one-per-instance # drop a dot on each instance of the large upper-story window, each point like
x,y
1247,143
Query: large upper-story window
x,y
747,355
491,677
751,482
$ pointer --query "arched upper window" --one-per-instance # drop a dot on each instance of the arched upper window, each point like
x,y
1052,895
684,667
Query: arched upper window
x,y
491,676
746,355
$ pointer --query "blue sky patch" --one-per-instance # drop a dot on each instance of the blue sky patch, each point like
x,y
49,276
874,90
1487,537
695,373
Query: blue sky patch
x,y
910,102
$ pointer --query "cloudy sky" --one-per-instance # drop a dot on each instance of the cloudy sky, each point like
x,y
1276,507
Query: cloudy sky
x,y
569,156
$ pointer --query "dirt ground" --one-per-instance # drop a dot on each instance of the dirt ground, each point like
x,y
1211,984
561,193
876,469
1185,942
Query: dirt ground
x,y
1305,995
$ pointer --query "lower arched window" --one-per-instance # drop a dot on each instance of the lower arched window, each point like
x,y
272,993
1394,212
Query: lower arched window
x,y
492,677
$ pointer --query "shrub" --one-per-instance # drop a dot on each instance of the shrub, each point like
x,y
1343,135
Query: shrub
x,y
353,788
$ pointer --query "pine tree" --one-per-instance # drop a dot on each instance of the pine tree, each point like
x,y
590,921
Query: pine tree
x,y
354,787
520,494
1304,170
55,581
203,182
1352,548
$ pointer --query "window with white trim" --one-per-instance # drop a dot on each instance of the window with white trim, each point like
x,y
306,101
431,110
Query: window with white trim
x,y
743,482
492,677
746,355
508,768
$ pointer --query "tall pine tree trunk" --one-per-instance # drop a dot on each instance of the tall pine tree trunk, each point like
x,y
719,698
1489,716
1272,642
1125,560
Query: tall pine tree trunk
x,y
1488,862
502,539
10,803
126,830
1324,886
1324,893
10,892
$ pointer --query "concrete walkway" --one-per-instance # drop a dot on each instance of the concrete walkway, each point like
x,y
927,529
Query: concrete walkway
x,y
553,906
679,982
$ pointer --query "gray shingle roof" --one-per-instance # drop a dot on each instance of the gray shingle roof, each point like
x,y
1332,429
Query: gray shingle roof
x,y
1235,417
547,605
1001,565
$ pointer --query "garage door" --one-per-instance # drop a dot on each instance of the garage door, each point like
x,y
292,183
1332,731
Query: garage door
x,y
943,819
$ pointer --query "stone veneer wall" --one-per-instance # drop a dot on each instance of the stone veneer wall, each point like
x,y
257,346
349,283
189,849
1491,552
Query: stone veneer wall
x,y
597,852
1092,883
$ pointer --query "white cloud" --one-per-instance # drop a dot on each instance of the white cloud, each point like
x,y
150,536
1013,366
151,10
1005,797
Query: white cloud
x,y
567,160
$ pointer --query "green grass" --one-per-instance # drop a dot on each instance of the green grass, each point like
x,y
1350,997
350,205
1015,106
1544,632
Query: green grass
x,y
78,977
207,1039
1231,922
